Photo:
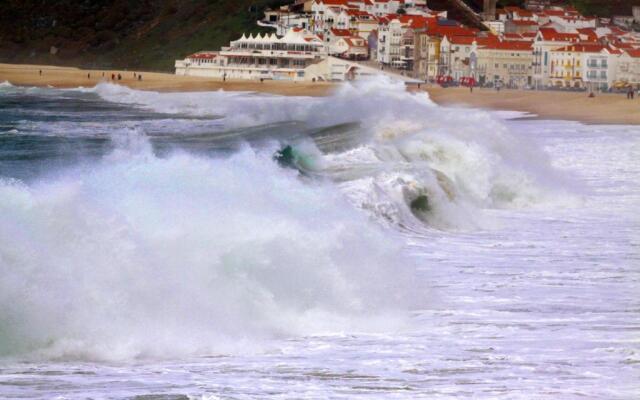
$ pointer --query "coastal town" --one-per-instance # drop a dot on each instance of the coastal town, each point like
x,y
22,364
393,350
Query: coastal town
x,y
543,45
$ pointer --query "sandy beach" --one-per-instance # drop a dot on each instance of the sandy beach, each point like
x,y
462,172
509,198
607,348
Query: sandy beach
x,y
66,77
603,109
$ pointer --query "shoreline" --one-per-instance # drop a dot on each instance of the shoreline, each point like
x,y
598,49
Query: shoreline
x,y
69,77
605,108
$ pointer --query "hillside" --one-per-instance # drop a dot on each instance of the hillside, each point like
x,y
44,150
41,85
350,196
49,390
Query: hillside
x,y
134,34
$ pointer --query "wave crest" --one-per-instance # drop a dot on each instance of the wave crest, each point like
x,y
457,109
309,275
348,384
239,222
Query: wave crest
x,y
145,257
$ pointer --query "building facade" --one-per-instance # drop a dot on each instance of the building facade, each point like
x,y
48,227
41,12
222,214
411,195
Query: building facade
x,y
506,63
259,57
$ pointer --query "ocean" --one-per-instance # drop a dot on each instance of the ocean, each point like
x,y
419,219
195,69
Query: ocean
x,y
366,245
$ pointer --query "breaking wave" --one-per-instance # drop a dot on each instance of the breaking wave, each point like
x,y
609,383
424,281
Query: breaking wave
x,y
454,162
141,256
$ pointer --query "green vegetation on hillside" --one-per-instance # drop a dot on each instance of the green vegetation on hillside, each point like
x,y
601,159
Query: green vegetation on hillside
x,y
605,8
135,34
510,3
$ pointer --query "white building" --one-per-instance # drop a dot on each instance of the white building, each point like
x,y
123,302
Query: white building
x,y
283,20
383,7
260,57
389,43
590,65
496,27
628,67
351,47
571,23
324,13
545,41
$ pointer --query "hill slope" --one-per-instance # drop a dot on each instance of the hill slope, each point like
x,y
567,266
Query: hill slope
x,y
136,34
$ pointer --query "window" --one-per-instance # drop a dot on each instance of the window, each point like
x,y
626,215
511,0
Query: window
x,y
545,58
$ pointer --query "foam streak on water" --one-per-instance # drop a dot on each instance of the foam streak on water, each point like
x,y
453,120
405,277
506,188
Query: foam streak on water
x,y
173,257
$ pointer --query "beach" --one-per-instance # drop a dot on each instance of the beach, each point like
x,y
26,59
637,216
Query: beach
x,y
67,77
576,106
604,108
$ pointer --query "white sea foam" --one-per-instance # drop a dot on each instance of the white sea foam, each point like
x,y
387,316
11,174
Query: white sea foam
x,y
141,256
5,84
482,164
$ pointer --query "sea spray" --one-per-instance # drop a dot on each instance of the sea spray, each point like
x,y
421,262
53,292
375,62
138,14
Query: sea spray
x,y
464,160
143,256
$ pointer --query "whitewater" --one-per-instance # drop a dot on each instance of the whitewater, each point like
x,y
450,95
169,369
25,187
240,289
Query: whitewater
x,y
153,247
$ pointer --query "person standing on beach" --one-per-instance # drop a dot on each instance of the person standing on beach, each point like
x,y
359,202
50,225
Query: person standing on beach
x,y
139,77
40,72
89,75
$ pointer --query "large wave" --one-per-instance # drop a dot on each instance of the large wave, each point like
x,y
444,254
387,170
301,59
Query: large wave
x,y
453,161
140,255
146,256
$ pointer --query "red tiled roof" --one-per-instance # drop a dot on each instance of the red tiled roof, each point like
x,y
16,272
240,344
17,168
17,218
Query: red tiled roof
x,y
554,13
203,56
334,2
510,45
355,42
553,35
525,13
465,40
486,40
623,45
635,53
523,22
590,33
582,48
469,39
445,30
340,32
